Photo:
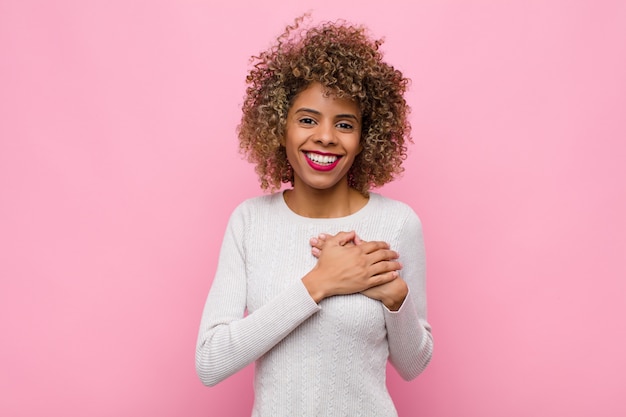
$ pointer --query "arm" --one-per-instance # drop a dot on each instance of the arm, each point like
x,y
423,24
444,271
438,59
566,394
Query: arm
x,y
228,341
408,332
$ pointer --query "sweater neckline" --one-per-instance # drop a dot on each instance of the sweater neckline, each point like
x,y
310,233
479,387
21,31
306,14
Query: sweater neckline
x,y
362,212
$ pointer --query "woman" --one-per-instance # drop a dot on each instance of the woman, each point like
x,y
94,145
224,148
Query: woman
x,y
322,283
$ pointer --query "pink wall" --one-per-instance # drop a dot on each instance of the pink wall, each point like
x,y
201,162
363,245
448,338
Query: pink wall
x,y
119,168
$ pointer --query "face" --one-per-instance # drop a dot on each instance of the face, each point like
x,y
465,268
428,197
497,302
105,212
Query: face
x,y
322,139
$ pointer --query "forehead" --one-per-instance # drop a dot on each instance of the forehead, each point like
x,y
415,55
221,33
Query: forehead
x,y
317,97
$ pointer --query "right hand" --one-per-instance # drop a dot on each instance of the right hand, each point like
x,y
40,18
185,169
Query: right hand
x,y
346,268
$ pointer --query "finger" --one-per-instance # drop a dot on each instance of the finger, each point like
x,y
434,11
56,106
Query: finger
x,y
345,237
316,252
382,255
385,267
340,238
373,246
316,243
383,278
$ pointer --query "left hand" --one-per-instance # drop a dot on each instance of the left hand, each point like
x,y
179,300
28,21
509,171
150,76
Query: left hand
x,y
392,294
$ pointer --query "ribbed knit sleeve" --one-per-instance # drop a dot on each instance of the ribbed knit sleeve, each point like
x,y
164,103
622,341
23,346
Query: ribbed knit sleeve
x,y
228,341
408,332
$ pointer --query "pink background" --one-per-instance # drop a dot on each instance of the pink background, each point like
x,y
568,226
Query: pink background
x,y
119,168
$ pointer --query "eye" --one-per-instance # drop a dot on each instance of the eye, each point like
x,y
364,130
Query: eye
x,y
306,121
345,126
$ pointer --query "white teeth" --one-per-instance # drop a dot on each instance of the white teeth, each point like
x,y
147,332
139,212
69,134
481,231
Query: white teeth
x,y
321,159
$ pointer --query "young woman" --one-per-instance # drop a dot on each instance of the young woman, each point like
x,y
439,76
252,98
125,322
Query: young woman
x,y
324,282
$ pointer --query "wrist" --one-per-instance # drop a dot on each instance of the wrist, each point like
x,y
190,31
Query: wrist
x,y
395,301
394,305
312,284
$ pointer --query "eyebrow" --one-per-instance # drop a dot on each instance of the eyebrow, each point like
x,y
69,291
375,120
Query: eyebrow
x,y
316,112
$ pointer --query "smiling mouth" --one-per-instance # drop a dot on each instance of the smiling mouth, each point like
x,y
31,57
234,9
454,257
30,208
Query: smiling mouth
x,y
323,160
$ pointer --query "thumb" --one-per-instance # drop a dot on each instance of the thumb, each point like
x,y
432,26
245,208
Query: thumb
x,y
345,237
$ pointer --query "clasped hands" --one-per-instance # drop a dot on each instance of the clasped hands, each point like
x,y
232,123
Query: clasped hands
x,y
349,265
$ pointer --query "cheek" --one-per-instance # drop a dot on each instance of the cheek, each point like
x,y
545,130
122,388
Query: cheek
x,y
290,151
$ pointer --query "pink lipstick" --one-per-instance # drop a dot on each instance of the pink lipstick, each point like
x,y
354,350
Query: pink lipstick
x,y
321,161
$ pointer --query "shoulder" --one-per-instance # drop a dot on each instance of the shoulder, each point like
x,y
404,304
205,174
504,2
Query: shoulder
x,y
403,220
250,213
394,208
258,206
257,202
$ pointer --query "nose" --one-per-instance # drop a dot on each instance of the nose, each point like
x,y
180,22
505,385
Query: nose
x,y
325,135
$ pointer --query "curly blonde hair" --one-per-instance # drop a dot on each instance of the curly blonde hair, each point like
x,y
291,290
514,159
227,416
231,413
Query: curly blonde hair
x,y
344,59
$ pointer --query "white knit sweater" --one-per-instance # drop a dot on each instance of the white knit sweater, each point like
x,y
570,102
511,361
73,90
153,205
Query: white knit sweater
x,y
326,359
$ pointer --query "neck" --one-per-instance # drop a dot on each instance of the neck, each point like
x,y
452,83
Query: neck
x,y
332,203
